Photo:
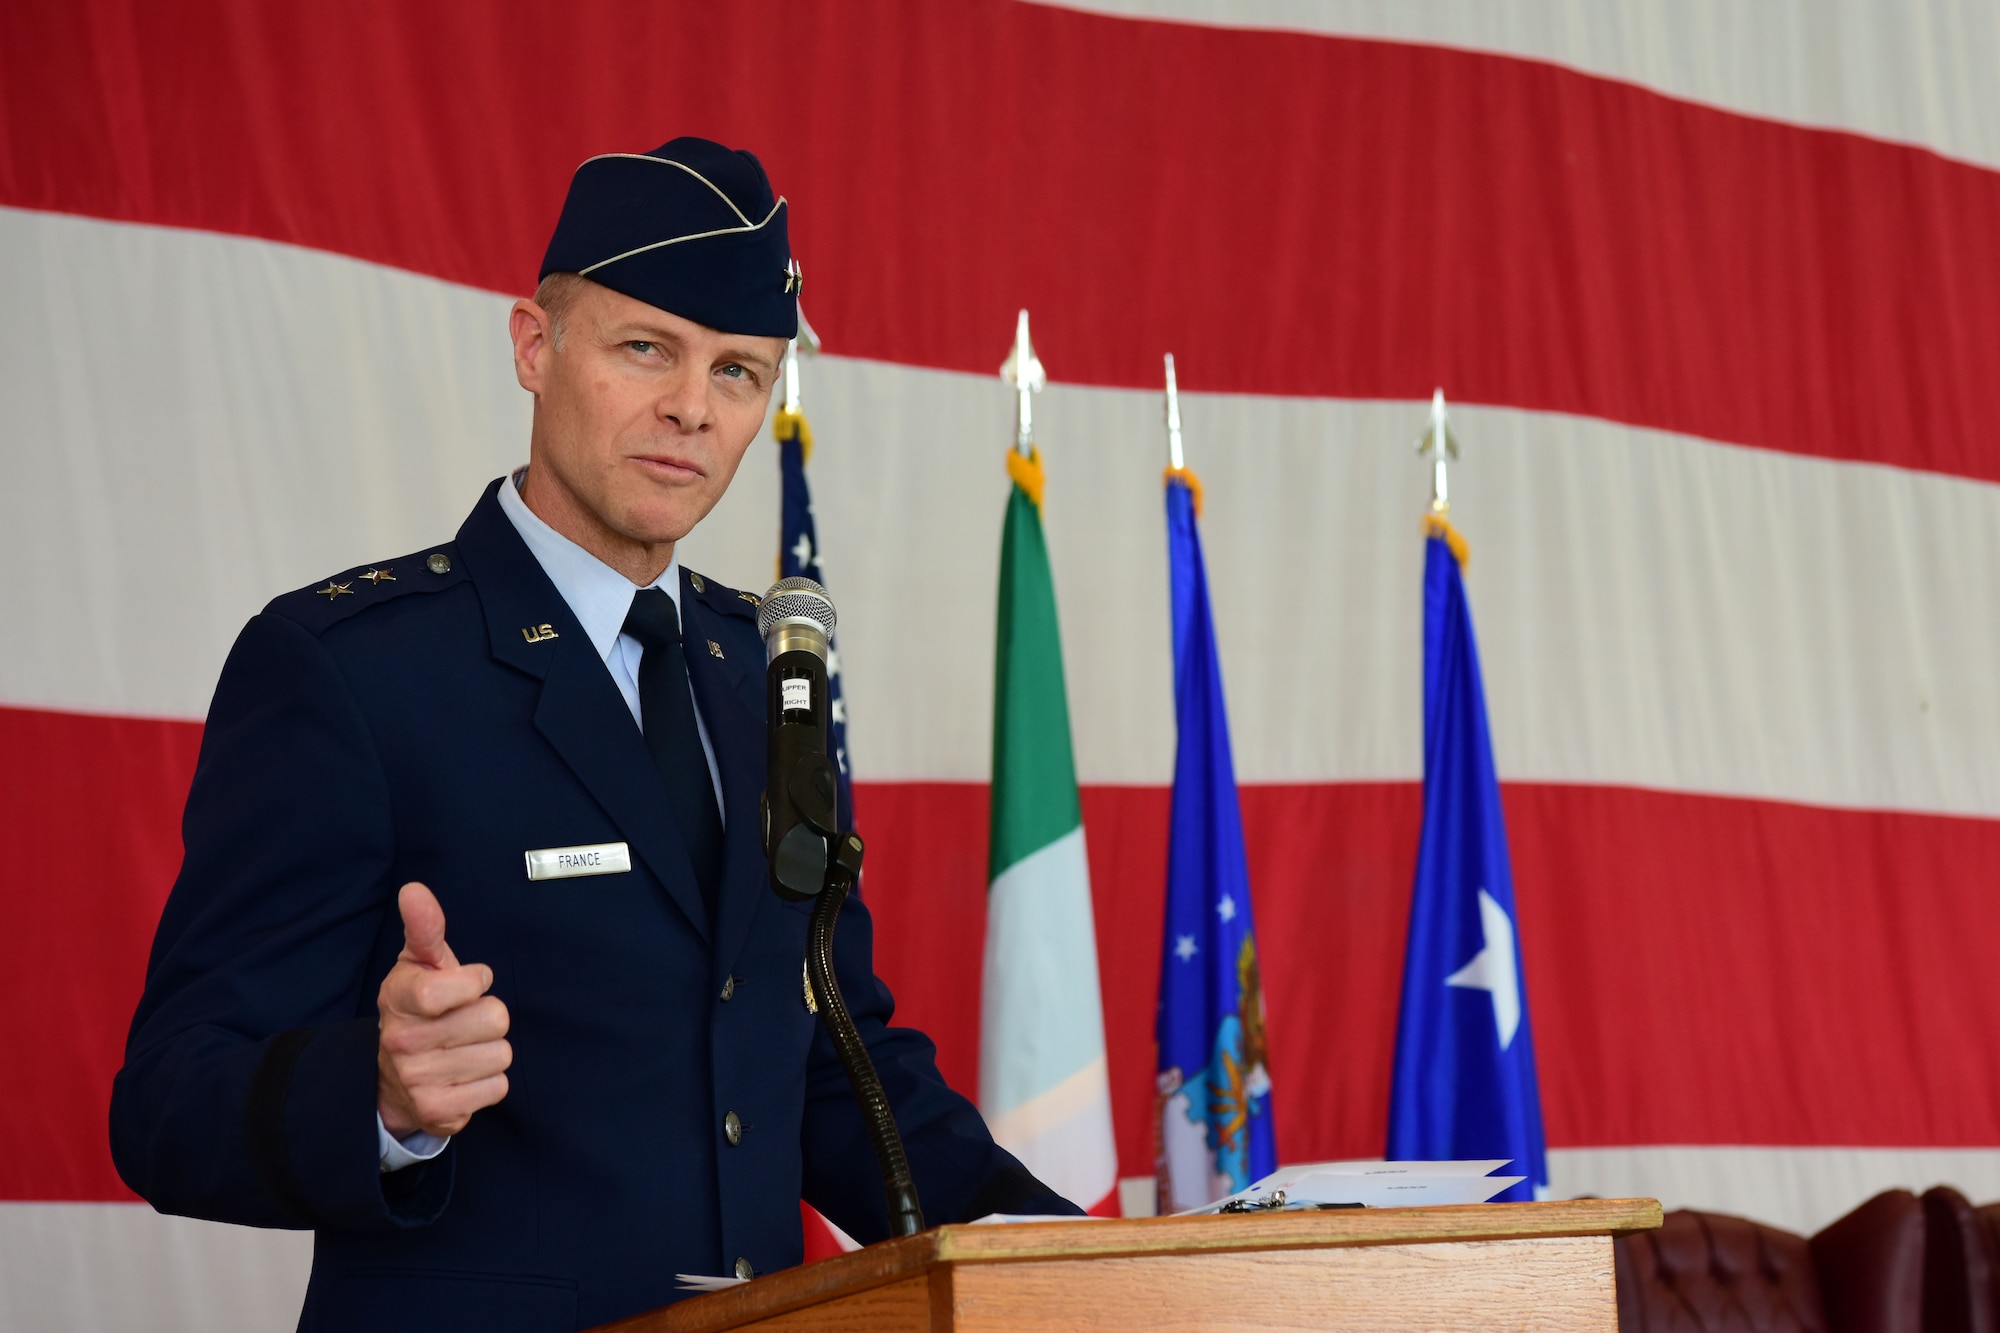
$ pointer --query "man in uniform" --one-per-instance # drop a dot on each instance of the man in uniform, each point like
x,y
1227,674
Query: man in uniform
x,y
472,966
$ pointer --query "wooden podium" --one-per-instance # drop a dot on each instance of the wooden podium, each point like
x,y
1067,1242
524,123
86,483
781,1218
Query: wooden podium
x,y
1486,1266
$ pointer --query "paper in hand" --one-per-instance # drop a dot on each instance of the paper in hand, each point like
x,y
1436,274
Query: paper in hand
x,y
706,1282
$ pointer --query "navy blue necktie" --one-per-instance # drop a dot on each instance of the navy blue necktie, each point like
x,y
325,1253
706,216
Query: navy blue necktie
x,y
666,711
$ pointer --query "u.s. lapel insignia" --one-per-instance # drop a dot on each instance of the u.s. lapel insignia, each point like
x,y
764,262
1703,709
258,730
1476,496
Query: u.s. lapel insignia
x,y
695,579
333,590
806,976
379,576
538,633
714,648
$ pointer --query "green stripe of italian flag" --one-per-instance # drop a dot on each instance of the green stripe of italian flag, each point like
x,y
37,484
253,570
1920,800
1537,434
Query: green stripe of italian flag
x,y
1042,1082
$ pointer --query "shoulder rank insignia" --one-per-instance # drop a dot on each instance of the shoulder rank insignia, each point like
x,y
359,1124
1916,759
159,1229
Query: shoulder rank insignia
x,y
333,590
379,576
751,598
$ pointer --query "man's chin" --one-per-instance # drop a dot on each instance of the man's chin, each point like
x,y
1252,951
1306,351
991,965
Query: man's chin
x,y
654,527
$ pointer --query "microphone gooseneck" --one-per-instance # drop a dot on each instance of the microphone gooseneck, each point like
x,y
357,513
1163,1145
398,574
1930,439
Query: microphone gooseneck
x,y
812,857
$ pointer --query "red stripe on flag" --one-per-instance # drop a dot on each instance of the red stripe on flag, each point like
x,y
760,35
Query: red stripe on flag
x,y
1290,214
1701,970
90,816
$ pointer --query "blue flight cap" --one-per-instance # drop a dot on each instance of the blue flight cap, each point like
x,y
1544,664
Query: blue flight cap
x,y
690,227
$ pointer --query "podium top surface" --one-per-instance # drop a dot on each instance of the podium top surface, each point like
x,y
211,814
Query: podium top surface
x,y
1027,1242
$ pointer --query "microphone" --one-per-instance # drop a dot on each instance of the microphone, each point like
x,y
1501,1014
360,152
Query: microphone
x,y
813,858
802,793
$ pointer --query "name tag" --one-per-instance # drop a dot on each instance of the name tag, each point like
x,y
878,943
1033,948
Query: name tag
x,y
601,858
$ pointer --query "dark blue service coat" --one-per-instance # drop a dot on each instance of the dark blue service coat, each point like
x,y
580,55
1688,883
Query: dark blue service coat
x,y
406,727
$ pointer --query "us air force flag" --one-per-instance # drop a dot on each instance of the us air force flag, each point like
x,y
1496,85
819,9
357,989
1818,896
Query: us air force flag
x,y
798,557
1213,1106
1464,1084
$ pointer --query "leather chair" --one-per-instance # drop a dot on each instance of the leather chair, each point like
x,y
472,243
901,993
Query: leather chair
x,y
1712,1273
1961,1264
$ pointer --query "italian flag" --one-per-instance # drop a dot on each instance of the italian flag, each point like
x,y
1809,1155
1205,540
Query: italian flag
x,y
1042,1082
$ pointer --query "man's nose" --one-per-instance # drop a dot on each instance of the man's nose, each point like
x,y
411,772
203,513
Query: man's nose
x,y
684,401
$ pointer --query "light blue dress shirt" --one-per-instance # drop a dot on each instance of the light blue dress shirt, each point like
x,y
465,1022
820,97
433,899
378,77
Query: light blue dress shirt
x,y
599,597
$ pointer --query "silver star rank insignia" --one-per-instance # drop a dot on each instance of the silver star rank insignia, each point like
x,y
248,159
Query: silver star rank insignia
x,y
333,590
379,576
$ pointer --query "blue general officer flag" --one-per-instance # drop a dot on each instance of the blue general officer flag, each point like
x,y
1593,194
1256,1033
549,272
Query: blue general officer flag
x,y
798,557
1214,1116
1464,1083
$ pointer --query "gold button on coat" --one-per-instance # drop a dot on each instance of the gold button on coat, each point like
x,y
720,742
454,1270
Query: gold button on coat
x,y
744,1270
729,988
439,563
732,1128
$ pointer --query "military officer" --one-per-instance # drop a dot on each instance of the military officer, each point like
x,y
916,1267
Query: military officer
x,y
471,966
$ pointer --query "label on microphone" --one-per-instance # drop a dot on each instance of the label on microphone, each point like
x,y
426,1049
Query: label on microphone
x,y
795,693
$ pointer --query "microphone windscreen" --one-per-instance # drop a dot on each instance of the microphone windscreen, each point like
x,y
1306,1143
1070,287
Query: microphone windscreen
x,y
795,599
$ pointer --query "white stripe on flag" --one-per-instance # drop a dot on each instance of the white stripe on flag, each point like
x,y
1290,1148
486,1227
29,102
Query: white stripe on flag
x,y
119,1267
1043,1112
1797,1189
1042,1081
1891,69
1075,1156
123,1268
1654,610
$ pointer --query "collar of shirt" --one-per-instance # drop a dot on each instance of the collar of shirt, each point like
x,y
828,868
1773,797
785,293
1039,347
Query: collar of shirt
x,y
598,595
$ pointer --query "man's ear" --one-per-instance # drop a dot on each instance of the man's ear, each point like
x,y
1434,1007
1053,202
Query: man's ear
x,y
533,333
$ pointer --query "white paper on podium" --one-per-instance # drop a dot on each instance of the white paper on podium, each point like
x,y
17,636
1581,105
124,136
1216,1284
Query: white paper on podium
x,y
1374,1184
706,1281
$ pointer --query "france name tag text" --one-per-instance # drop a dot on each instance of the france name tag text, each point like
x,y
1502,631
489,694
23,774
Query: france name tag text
x,y
601,858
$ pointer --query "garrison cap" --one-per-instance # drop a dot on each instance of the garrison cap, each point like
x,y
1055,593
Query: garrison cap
x,y
691,227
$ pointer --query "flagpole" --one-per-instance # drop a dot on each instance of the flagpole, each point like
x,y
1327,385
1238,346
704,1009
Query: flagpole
x,y
1043,1086
805,344
1023,370
1174,459
1440,438
1459,1088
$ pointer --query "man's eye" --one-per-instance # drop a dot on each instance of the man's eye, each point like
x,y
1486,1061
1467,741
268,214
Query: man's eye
x,y
642,347
735,371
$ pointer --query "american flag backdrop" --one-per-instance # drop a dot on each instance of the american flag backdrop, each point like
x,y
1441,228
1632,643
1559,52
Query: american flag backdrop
x,y
1714,290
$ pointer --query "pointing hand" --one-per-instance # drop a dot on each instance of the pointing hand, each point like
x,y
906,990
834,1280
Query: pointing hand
x,y
443,1052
